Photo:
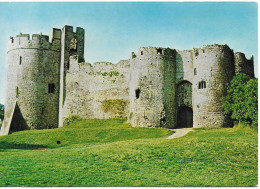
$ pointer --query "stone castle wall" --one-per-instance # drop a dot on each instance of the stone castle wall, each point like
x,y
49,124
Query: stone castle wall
x,y
48,82
152,86
98,91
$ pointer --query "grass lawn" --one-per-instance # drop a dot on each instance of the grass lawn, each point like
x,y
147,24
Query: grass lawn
x,y
111,153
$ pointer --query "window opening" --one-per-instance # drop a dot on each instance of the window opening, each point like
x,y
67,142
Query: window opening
x,y
68,65
202,84
159,51
142,53
137,93
195,71
20,60
17,92
51,88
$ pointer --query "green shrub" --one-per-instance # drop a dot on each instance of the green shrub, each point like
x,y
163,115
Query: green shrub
x,y
130,115
241,101
104,74
2,115
71,119
115,73
91,73
115,106
196,52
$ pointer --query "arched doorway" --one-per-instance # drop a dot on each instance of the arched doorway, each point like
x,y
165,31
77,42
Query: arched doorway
x,y
185,117
184,93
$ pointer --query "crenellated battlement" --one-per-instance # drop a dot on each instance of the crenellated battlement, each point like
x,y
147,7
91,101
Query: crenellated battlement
x,y
71,29
38,41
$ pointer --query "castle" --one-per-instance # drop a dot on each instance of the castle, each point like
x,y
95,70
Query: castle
x,y
49,82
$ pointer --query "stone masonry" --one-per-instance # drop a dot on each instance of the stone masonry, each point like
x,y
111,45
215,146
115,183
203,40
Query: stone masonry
x,y
49,83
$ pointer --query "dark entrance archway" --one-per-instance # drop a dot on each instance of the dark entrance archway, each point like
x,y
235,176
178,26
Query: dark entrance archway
x,y
185,117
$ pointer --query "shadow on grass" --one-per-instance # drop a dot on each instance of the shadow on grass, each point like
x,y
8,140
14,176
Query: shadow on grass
x,y
6,145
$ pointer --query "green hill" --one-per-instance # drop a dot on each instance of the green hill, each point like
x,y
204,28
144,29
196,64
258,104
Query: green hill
x,y
111,153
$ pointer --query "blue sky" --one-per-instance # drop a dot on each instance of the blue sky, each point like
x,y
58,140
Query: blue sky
x,y
114,30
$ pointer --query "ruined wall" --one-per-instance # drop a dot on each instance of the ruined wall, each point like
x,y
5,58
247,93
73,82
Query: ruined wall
x,y
31,66
243,65
98,91
151,89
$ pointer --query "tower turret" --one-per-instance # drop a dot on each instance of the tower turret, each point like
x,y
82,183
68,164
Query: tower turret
x,y
151,88
32,80
72,43
215,68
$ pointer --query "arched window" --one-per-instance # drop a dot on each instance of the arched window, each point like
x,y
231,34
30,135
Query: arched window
x,y
202,84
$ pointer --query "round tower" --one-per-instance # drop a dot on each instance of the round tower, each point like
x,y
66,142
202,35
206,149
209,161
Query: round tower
x,y
213,69
151,88
32,80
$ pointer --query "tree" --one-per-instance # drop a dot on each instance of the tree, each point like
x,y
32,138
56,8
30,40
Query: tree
x,y
1,111
241,101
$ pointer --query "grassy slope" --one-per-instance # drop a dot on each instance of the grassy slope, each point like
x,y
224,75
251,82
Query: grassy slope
x,y
110,153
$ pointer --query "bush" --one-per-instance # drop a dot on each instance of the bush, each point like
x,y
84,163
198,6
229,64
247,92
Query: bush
x,y
241,101
2,115
115,106
71,119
